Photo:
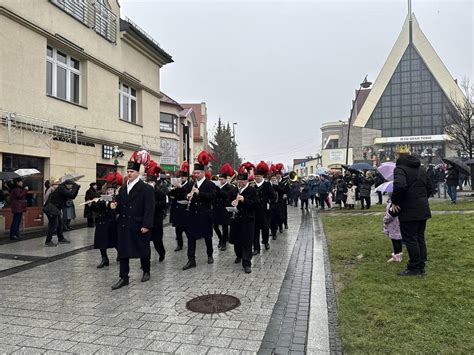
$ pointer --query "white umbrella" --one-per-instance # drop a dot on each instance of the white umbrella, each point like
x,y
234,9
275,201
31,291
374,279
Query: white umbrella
x,y
27,172
72,177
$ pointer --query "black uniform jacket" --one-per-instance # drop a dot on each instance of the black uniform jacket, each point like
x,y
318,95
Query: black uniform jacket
x,y
224,197
243,224
179,213
200,211
135,211
266,197
160,209
105,235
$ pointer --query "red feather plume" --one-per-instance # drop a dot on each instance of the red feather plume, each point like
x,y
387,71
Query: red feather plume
x,y
204,158
208,174
114,178
153,169
227,169
264,167
246,167
273,168
279,168
185,167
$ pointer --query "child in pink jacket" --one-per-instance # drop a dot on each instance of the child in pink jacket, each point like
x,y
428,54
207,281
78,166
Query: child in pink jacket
x,y
391,227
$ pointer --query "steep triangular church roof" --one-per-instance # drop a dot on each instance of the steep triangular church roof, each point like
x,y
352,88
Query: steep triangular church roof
x,y
427,54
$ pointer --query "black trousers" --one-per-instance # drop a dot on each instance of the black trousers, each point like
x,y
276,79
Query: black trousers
x,y
192,247
125,266
397,246
159,246
55,226
379,194
304,204
365,199
413,236
243,249
322,199
90,222
16,222
256,237
179,235
224,235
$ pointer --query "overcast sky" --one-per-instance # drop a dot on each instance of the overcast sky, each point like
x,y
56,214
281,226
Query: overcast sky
x,y
280,69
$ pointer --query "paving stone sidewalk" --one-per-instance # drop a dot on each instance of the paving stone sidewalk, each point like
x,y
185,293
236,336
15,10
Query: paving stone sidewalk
x,y
67,306
379,213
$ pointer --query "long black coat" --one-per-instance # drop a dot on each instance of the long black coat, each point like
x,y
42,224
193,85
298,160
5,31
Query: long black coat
x,y
200,211
179,214
243,224
365,186
90,195
135,211
411,190
266,197
105,235
223,199
160,209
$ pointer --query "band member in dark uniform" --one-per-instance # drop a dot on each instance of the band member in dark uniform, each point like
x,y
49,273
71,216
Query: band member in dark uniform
x,y
179,212
135,207
105,235
283,195
276,220
243,226
224,194
201,198
266,196
153,172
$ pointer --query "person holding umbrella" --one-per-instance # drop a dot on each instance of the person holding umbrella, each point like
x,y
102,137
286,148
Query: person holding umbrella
x,y
410,200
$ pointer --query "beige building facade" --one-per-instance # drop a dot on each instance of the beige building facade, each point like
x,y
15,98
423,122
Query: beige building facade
x,y
77,80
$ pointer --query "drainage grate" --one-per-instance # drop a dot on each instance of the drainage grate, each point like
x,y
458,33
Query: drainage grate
x,y
213,303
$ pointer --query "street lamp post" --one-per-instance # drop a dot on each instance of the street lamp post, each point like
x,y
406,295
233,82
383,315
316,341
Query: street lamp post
x,y
234,148
365,84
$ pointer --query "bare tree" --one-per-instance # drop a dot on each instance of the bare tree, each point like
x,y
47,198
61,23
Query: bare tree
x,y
459,123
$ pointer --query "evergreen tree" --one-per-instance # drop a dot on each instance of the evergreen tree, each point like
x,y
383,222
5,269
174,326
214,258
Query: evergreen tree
x,y
224,148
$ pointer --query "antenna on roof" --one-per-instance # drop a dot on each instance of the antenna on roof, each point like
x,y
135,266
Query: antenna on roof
x,y
409,9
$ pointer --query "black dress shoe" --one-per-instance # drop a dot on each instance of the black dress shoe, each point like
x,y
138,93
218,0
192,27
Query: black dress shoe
x,y
247,269
286,225
178,248
281,230
120,283
161,258
238,260
267,246
408,272
50,244
256,252
145,277
14,237
210,260
274,237
63,241
189,265
104,262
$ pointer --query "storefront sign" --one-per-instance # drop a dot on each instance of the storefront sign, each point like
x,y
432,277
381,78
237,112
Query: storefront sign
x,y
169,150
432,138
336,155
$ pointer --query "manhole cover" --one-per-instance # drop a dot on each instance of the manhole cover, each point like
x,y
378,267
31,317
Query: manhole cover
x,y
213,303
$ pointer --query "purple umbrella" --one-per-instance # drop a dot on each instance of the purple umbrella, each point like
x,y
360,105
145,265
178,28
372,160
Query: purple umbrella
x,y
386,170
385,187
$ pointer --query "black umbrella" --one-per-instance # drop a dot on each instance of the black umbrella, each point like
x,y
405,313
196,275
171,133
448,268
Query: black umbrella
x,y
362,166
469,162
458,164
8,175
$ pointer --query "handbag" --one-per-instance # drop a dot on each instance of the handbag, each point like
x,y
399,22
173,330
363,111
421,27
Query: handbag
x,y
51,210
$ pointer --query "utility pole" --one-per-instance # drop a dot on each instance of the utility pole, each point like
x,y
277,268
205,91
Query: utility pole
x,y
234,147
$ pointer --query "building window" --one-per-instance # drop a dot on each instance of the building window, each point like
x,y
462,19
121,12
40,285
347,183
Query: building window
x,y
168,123
63,74
127,103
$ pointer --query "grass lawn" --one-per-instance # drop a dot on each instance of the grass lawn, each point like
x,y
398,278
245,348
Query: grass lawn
x,y
380,312
435,205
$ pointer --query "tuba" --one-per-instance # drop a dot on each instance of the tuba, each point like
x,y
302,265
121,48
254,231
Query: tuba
x,y
291,177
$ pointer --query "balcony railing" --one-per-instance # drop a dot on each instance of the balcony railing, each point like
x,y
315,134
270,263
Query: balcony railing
x,y
96,16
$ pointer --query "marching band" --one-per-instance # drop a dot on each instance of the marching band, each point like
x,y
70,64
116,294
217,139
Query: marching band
x,y
239,206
